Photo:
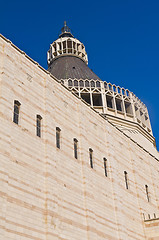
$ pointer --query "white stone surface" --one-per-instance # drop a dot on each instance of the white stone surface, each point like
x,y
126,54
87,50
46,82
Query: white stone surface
x,y
45,193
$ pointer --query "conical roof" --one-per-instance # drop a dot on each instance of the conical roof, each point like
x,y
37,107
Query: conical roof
x,y
67,58
72,67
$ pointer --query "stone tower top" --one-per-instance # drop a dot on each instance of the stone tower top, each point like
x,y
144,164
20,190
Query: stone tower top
x,y
66,45
67,61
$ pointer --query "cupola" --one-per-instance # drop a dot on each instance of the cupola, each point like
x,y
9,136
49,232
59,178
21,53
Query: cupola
x,y
66,45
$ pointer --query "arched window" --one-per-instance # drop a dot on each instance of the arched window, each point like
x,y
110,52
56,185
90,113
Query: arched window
x,y
92,84
16,111
110,86
123,91
127,93
118,90
58,133
70,83
75,148
98,84
81,83
105,85
75,83
86,83
38,125
114,88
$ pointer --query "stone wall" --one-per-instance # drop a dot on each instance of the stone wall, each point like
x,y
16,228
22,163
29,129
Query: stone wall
x,y
45,193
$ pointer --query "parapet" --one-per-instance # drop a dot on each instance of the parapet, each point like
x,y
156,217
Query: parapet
x,y
111,100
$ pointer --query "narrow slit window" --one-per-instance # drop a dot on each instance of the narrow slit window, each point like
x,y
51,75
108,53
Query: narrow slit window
x,y
58,133
91,157
147,193
75,148
16,111
38,125
105,167
126,179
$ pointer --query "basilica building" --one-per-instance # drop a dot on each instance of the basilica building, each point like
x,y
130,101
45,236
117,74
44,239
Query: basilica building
x,y
78,159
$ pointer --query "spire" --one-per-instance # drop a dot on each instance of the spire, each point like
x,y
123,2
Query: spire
x,y
65,31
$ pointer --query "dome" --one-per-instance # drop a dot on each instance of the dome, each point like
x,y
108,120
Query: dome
x,y
67,58
66,44
68,62
71,67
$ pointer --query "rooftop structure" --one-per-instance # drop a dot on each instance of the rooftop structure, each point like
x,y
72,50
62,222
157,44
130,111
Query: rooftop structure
x,y
70,169
68,62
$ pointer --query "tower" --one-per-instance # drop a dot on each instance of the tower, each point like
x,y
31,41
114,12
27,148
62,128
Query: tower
x,y
77,154
68,62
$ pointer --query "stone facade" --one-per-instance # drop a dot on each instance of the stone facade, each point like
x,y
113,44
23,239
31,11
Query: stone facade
x,y
48,194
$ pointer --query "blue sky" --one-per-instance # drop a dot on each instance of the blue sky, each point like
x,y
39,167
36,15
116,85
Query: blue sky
x,y
121,39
